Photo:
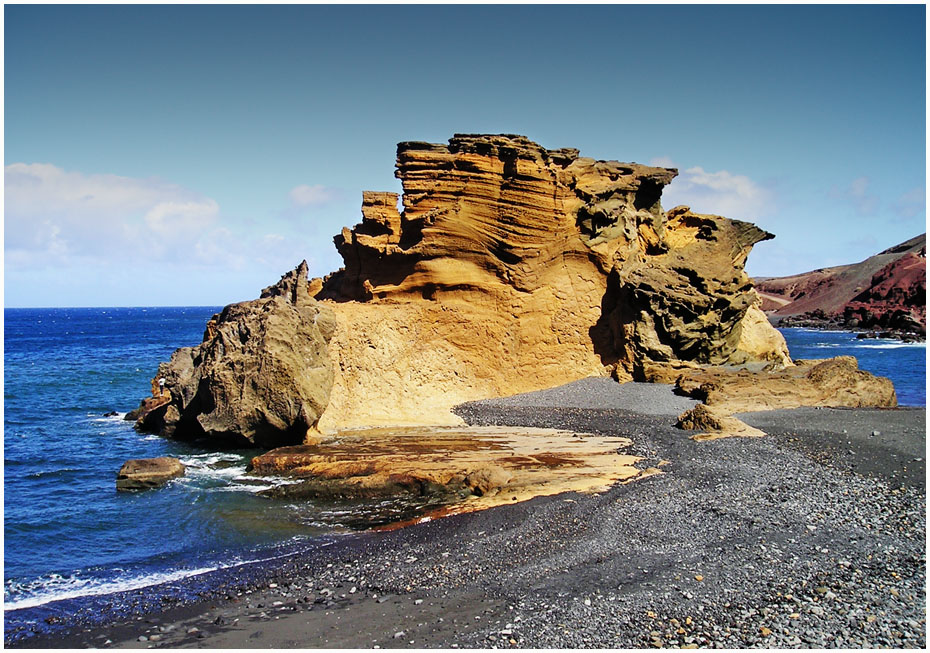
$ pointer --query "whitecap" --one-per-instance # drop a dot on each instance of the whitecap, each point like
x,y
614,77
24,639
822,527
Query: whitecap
x,y
56,587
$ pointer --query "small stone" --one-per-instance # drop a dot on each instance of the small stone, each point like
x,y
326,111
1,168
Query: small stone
x,y
874,433
399,634
418,602
699,578
143,638
765,631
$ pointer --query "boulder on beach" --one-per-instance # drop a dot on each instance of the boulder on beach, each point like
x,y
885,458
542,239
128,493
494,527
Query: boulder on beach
x,y
145,473
261,376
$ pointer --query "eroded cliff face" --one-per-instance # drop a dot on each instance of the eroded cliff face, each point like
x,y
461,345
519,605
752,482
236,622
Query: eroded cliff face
x,y
514,268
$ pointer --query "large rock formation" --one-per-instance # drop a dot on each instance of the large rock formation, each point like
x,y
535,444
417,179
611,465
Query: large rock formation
x,y
514,268
885,291
262,374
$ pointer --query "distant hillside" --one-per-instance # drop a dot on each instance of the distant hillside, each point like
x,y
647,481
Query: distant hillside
x,y
885,291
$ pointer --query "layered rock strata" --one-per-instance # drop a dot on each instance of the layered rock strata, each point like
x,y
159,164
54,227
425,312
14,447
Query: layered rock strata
x,y
514,268
262,374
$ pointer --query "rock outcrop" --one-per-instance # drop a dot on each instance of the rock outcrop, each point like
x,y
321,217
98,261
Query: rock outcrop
x,y
262,374
480,466
514,268
887,291
834,382
145,473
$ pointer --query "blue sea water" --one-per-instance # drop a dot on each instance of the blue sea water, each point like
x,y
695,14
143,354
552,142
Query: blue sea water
x,y
69,537
904,363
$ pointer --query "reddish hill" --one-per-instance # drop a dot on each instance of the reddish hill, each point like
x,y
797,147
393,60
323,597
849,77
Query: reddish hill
x,y
888,291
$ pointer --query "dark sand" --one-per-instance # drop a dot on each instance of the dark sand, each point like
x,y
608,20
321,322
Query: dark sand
x,y
813,536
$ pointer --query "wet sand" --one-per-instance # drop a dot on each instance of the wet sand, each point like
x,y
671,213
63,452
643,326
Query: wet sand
x,y
812,536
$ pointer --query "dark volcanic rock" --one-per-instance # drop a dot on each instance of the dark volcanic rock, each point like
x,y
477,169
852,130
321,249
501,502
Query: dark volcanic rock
x,y
145,473
262,374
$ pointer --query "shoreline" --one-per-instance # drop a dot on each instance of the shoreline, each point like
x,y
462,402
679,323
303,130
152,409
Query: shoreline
x,y
752,517
907,337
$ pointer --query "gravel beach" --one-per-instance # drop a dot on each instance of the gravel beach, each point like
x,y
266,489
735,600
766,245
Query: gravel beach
x,y
813,536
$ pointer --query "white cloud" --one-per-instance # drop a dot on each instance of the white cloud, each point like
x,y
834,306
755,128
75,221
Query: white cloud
x,y
316,195
176,218
719,193
92,229
55,216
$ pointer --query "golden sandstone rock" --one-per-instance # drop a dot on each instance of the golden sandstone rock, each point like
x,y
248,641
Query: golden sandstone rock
x,y
474,467
514,268
511,268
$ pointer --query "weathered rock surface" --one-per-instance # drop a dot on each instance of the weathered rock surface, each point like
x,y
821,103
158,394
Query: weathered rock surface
x,y
886,291
714,423
514,268
480,466
836,382
262,375
833,382
146,406
145,473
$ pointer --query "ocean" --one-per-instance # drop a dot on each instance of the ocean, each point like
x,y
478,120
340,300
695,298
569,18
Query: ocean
x,y
74,546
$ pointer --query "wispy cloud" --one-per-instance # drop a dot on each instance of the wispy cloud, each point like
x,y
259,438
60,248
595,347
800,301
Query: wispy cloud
x,y
662,162
56,215
858,195
911,204
721,193
317,195
59,218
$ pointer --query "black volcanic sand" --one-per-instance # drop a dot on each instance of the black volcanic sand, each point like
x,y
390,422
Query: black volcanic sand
x,y
813,536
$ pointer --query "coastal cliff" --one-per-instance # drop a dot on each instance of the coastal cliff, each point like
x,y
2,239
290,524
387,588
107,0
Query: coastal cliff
x,y
514,268
510,269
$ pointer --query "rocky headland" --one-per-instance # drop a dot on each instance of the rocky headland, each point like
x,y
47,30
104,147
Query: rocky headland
x,y
884,295
511,268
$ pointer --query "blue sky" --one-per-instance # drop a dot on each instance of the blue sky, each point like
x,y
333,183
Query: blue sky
x,y
190,155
